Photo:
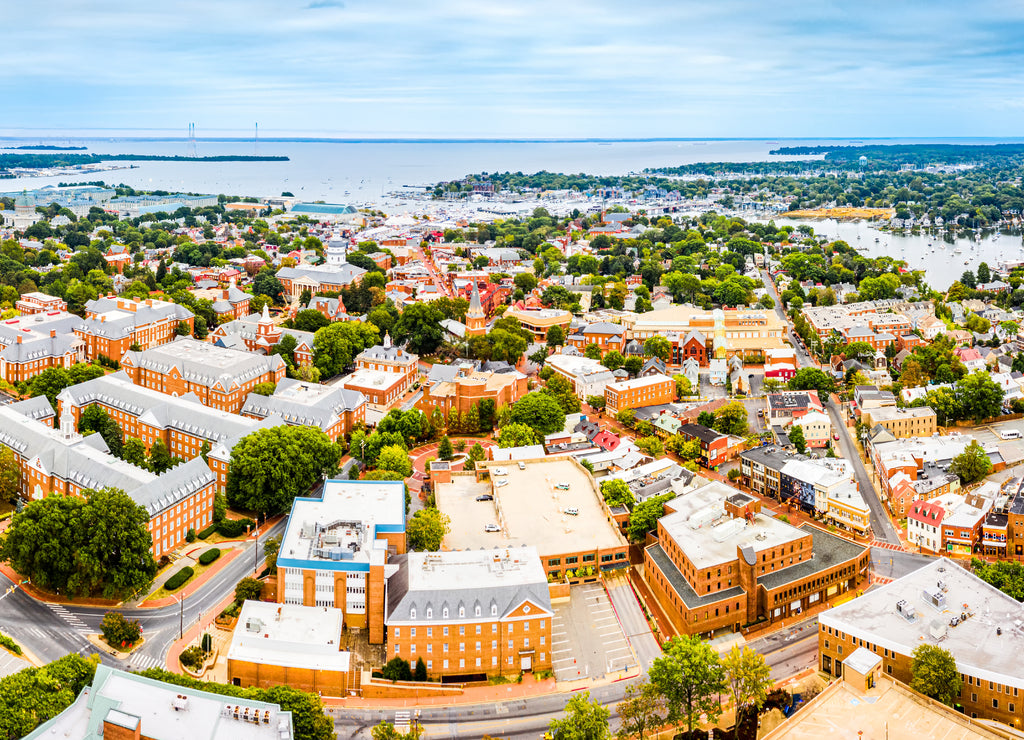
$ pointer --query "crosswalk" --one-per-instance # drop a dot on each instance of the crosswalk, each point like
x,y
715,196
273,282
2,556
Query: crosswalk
x,y
71,619
887,546
142,662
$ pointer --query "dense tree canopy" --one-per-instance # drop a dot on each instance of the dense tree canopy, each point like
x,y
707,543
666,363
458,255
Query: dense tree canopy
x,y
540,411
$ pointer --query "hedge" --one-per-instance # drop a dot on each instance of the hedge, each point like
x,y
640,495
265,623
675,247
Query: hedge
x,y
10,644
234,527
209,556
204,533
179,579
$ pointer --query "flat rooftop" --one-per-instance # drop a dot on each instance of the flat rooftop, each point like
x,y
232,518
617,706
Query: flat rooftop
x,y
162,710
708,536
529,509
289,635
340,530
974,643
457,570
890,709
366,378
625,385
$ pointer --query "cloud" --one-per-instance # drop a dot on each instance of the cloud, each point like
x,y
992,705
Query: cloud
x,y
317,4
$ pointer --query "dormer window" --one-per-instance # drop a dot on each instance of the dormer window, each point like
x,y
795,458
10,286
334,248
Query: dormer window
x,y
444,614
430,613
494,610
477,611
412,613
462,612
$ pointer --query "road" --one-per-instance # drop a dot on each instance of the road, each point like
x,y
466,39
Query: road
x,y
52,631
881,525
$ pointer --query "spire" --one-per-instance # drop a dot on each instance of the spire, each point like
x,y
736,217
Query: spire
x,y
475,308
387,340
265,318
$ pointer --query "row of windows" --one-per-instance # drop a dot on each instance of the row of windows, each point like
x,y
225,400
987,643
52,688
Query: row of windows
x,y
462,629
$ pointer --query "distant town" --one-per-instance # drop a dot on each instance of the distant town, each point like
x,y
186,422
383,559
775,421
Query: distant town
x,y
540,454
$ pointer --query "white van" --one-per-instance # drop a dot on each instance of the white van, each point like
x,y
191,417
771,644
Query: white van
x,y
1010,434
572,512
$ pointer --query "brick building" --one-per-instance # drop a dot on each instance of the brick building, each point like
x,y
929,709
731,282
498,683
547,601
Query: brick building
x,y
112,325
33,343
258,333
469,614
381,388
390,359
337,550
538,321
332,409
938,604
588,377
920,421
35,302
469,387
651,390
714,446
328,278
717,563
62,462
219,377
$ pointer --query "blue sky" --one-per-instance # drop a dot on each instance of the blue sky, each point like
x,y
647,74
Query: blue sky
x,y
529,68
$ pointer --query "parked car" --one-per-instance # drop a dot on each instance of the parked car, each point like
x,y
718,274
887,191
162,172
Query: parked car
x,y
835,436
502,482
492,528
500,471
522,465
562,486
485,497
572,511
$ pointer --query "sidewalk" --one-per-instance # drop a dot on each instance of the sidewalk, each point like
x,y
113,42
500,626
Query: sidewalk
x,y
204,624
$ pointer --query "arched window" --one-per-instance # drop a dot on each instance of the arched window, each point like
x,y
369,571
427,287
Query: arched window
x,y
430,613
462,612
444,614
494,610
477,610
412,613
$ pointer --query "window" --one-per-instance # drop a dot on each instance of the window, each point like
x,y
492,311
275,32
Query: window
x,y
398,632
494,610
412,632
412,613
430,613
476,612
444,613
462,612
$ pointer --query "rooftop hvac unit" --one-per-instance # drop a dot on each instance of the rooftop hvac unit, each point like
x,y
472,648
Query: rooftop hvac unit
x,y
935,598
906,610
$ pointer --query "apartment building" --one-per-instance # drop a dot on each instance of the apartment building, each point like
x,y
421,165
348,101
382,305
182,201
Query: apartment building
x,y
538,321
651,390
337,550
725,332
380,387
902,423
35,302
944,605
218,377
469,614
62,462
789,406
464,387
33,343
588,377
126,706
717,562
714,446
332,409
228,303
388,358
112,325
605,335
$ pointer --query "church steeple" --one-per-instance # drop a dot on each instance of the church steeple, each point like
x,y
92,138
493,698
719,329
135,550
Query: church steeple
x,y
476,319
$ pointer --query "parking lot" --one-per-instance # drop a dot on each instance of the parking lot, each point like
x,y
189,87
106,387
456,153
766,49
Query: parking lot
x,y
586,638
1012,450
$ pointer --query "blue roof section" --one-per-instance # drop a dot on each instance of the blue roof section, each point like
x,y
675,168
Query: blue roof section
x,y
336,208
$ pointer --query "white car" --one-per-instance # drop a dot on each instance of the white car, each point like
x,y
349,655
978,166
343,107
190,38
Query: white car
x,y
492,528
501,483
500,471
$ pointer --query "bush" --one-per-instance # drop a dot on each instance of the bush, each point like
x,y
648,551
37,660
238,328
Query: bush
x,y
234,527
10,644
118,631
191,536
204,533
397,669
209,556
179,579
192,657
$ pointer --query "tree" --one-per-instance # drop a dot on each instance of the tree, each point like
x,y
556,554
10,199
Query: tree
x,y
421,670
749,679
134,452
596,402
540,411
811,378
97,544
396,459
270,467
626,417
33,696
444,449
642,709
984,273
633,365
270,550
336,345
266,283
310,320
617,493
972,464
248,589
264,389
420,326
613,360
561,390
516,435
397,669
934,673
645,516
732,419
689,675
706,419
10,475
556,336
585,719
683,385
49,383
592,352
118,631
160,459
658,346
979,396
651,445
796,436
95,419
427,528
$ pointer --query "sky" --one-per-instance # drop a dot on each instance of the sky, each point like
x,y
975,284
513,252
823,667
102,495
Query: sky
x,y
516,68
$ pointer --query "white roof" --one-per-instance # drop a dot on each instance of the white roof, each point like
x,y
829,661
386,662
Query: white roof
x,y
289,635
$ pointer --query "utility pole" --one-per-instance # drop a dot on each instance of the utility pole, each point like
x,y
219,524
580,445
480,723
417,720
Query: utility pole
x,y
181,617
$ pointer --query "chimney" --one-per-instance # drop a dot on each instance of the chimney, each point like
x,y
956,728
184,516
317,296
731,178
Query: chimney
x,y
19,339
53,333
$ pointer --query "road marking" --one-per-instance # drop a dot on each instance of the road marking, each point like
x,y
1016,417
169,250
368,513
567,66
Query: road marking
x,y
563,650
558,642
603,611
